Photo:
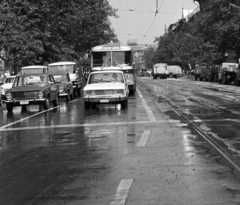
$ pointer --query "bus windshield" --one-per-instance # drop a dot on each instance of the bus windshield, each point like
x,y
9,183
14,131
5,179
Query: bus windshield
x,y
115,58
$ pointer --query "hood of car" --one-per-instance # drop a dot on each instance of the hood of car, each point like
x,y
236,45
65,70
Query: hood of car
x,y
7,86
25,88
104,86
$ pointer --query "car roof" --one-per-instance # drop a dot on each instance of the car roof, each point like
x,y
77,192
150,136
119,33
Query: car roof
x,y
107,71
34,74
62,63
35,66
59,73
11,76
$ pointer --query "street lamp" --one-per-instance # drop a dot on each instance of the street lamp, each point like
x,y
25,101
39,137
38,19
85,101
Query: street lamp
x,y
226,56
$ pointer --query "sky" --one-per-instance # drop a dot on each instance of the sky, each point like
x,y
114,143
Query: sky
x,y
143,24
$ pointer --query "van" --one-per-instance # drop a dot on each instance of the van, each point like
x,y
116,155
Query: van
x,y
174,71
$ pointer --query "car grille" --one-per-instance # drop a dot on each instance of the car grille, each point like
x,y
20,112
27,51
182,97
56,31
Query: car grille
x,y
106,92
24,95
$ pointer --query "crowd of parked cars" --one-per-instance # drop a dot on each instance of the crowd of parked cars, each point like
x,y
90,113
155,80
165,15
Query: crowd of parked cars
x,y
226,73
42,85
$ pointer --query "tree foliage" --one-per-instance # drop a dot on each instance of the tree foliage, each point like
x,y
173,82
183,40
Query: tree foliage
x,y
205,38
36,32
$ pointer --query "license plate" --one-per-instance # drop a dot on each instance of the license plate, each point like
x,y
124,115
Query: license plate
x,y
24,102
104,101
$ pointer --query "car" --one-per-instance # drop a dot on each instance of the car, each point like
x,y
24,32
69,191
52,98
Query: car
x,y
32,89
65,85
7,84
106,87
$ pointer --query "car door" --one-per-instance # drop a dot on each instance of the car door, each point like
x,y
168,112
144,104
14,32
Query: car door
x,y
69,84
53,88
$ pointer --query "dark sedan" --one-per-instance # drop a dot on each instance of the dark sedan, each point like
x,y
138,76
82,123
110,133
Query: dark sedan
x,y
65,85
32,89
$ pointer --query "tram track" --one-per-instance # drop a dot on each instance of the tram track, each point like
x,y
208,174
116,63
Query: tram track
x,y
231,160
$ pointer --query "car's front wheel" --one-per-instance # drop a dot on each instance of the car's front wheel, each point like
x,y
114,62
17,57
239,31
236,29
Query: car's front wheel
x,y
46,104
55,102
86,105
124,103
9,107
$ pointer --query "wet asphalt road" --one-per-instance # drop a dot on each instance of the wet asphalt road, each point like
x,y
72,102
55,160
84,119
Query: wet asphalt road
x,y
153,152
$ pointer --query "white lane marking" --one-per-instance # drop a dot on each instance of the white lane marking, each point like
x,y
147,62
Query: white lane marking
x,y
149,111
26,118
85,125
122,192
112,124
144,138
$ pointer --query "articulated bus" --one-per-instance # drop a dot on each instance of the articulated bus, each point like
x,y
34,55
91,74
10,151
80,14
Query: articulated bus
x,y
115,57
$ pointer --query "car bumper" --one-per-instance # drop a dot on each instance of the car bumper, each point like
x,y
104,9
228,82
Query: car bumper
x,y
104,99
26,102
63,95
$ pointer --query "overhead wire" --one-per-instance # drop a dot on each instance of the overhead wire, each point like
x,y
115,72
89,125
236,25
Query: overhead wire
x,y
153,20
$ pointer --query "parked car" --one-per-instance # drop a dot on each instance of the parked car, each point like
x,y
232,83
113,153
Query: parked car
x,y
7,84
65,85
106,87
32,89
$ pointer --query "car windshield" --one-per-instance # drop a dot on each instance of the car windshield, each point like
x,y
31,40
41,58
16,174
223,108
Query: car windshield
x,y
30,81
60,78
106,78
9,80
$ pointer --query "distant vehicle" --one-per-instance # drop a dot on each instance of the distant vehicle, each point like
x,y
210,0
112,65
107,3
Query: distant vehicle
x,y
7,84
65,85
202,72
32,89
160,70
228,73
174,71
106,87
33,69
114,56
75,73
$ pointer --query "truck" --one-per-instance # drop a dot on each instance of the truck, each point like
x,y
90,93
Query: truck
x,y
174,71
214,73
160,70
202,72
228,73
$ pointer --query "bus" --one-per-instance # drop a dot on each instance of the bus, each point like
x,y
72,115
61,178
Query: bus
x,y
33,69
113,56
75,73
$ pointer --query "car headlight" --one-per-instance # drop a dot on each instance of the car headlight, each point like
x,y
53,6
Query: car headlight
x,y
128,77
120,91
87,92
2,91
9,96
40,94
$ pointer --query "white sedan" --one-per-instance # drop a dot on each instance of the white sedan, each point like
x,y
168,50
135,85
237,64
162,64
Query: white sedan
x,y
7,84
106,87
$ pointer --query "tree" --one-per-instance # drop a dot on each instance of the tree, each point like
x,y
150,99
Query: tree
x,y
37,32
